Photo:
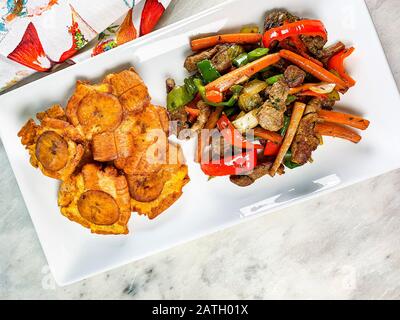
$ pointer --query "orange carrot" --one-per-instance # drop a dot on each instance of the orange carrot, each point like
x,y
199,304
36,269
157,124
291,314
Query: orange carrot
x,y
297,114
316,70
344,118
304,87
239,38
214,96
242,74
268,135
192,111
213,118
336,130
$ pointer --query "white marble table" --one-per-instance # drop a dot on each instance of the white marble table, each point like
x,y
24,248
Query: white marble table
x,y
342,245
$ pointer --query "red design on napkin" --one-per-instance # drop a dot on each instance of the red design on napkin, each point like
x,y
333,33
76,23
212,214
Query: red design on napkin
x,y
152,12
29,51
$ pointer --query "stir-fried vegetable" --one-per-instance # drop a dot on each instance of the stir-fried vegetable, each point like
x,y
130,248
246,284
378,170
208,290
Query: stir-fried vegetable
x,y
297,114
247,121
232,135
267,135
274,79
234,165
241,87
303,27
336,63
178,98
208,71
241,60
257,54
316,70
338,131
344,118
242,74
239,38
214,97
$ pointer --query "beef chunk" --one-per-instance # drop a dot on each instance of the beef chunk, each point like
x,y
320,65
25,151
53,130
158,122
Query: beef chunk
x,y
270,118
259,171
330,51
278,95
306,140
294,76
222,60
314,45
276,18
192,61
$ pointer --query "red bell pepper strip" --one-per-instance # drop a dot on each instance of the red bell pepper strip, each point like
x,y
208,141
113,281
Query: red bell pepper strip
x,y
336,63
233,136
303,27
234,165
271,148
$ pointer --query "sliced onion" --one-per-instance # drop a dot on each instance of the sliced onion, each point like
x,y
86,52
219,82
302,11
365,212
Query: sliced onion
x,y
323,88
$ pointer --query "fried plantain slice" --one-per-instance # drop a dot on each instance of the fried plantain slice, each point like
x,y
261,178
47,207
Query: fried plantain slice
x,y
135,99
146,197
82,89
141,142
52,151
55,147
98,113
97,198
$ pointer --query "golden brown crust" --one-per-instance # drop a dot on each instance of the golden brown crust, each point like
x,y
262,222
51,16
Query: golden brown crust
x,y
69,144
97,199
173,175
54,112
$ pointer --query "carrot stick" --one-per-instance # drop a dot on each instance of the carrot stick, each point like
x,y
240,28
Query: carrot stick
x,y
213,118
303,87
316,70
192,111
239,38
268,135
298,111
338,131
344,118
239,75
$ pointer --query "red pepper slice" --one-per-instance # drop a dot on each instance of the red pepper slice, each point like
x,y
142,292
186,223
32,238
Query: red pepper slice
x,y
303,27
336,63
271,148
233,136
234,165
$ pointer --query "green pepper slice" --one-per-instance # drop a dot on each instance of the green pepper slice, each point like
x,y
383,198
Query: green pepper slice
x,y
208,71
274,79
257,54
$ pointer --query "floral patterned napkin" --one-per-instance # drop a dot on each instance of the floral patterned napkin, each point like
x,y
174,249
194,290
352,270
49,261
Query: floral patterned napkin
x,y
37,35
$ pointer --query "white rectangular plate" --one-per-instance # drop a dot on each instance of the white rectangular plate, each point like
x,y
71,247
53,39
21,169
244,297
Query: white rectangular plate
x,y
74,254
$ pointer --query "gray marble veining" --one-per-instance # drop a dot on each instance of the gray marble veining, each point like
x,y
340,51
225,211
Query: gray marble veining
x,y
342,246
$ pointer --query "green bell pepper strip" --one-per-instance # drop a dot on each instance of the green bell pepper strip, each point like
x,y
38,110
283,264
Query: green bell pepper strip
x,y
287,161
274,79
290,99
241,60
208,71
230,111
286,123
190,86
236,89
257,54
178,98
